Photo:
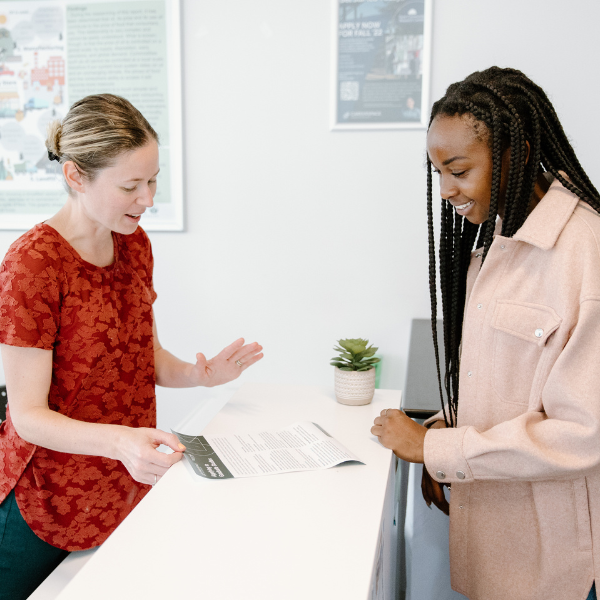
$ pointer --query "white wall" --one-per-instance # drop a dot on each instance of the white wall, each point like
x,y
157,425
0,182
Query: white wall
x,y
297,236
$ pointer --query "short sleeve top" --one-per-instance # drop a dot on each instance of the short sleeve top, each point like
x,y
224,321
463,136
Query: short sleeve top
x,y
97,321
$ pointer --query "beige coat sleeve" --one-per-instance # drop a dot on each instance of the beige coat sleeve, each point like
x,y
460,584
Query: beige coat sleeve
x,y
562,440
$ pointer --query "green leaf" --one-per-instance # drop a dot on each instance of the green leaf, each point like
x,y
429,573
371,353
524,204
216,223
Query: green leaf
x,y
367,368
344,344
345,369
353,345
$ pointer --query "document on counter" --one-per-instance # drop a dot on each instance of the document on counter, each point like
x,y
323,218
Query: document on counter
x,y
302,446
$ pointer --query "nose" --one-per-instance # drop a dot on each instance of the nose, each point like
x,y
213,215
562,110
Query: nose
x,y
146,198
448,187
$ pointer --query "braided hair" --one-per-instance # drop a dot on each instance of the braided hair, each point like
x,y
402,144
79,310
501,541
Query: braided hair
x,y
514,112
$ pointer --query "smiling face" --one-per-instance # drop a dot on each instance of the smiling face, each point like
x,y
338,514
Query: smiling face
x,y
460,154
119,195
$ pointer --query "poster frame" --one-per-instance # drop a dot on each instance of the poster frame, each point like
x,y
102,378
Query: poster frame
x,y
335,125
175,222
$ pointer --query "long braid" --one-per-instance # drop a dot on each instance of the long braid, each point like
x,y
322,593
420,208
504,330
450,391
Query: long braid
x,y
516,114
433,286
445,256
454,312
559,150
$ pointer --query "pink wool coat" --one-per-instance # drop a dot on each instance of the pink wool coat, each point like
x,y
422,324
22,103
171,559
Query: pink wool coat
x,y
524,461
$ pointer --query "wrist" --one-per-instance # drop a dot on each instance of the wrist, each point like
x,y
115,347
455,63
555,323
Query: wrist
x,y
113,441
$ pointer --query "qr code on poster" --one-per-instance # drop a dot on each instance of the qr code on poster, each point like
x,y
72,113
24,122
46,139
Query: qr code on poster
x,y
349,90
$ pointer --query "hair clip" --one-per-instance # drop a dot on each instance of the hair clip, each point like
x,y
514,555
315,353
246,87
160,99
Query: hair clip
x,y
52,156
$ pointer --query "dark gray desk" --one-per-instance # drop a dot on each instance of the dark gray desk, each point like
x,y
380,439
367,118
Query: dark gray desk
x,y
420,400
421,396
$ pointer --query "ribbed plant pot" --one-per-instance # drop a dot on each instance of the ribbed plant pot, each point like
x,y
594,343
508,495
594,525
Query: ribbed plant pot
x,y
354,388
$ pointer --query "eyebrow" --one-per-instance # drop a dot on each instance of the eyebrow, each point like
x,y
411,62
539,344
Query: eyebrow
x,y
449,160
142,178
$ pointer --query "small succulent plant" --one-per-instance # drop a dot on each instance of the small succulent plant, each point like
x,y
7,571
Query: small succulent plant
x,y
354,355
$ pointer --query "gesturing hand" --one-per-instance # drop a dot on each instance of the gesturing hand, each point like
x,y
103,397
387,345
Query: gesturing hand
x,y
401,434
227,365
136,448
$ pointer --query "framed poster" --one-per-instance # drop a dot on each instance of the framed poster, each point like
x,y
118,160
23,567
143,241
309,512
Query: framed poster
x,y
381,57
54,52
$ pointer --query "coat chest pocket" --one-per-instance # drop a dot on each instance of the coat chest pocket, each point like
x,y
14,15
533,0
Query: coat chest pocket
x,y
521,333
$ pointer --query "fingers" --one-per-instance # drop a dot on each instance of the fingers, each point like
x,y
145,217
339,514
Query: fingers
x,y
249,362
388,412
168,439
138,451
248,354
401,434
434,492
201,361
228,352
156,473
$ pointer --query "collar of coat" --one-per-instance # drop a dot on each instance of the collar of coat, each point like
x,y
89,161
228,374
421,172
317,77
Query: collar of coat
x,y
547,220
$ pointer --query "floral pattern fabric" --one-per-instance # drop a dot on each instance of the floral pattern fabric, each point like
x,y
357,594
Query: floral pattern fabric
x,y
97,321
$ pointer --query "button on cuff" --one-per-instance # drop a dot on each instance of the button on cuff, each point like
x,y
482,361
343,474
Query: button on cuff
x,y
443,454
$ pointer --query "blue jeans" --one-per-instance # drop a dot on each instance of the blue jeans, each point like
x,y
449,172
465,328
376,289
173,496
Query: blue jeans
x,y
592,595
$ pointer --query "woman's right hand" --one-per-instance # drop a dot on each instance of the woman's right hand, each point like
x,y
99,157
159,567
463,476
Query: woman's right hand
x,y
431,489
136,448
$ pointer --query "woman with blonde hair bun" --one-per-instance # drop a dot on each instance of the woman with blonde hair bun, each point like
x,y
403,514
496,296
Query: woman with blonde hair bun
x,y
78,449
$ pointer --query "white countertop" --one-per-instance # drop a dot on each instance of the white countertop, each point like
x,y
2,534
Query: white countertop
x,y
306,535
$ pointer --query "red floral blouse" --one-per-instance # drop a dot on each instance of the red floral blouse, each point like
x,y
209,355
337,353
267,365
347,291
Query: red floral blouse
x,y
98,323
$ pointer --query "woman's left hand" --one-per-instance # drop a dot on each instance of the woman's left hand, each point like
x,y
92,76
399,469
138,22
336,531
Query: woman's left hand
x,y
227,365
401,434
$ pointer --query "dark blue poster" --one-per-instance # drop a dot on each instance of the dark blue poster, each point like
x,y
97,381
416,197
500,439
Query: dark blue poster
x,y
382,63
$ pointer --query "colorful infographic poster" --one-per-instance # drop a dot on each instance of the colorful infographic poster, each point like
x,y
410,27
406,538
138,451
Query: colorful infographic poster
x,y
53,53
381,63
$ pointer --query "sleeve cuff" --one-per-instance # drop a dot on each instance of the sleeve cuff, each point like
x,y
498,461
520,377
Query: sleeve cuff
x,y
431,420
444,458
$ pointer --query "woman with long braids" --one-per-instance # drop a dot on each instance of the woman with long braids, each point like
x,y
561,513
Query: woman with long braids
x,y
518,437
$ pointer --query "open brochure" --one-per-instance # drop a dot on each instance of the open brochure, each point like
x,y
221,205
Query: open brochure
x,y
300,447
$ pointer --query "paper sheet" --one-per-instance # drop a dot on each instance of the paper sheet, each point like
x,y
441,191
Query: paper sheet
x,y
302,446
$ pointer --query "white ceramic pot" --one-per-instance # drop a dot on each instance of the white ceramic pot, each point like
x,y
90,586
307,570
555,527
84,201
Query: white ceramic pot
x,y
354,387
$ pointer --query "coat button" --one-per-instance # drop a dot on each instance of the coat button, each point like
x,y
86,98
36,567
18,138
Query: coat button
x,y
460,474
440,475
480,306
502,246
469,374
539,333
478,255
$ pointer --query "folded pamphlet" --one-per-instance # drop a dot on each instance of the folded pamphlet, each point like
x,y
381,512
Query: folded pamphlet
x,y
302,446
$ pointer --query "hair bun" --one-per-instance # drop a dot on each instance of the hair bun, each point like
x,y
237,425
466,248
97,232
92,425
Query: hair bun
x,y
53,139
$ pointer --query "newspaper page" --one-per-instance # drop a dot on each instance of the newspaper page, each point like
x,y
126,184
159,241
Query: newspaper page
x,y
302,446
55,52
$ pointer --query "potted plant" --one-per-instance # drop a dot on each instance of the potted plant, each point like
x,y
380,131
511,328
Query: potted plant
x,y
354,371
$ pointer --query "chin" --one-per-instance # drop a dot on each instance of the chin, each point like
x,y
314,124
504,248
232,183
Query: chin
x,y
476,220
127,229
